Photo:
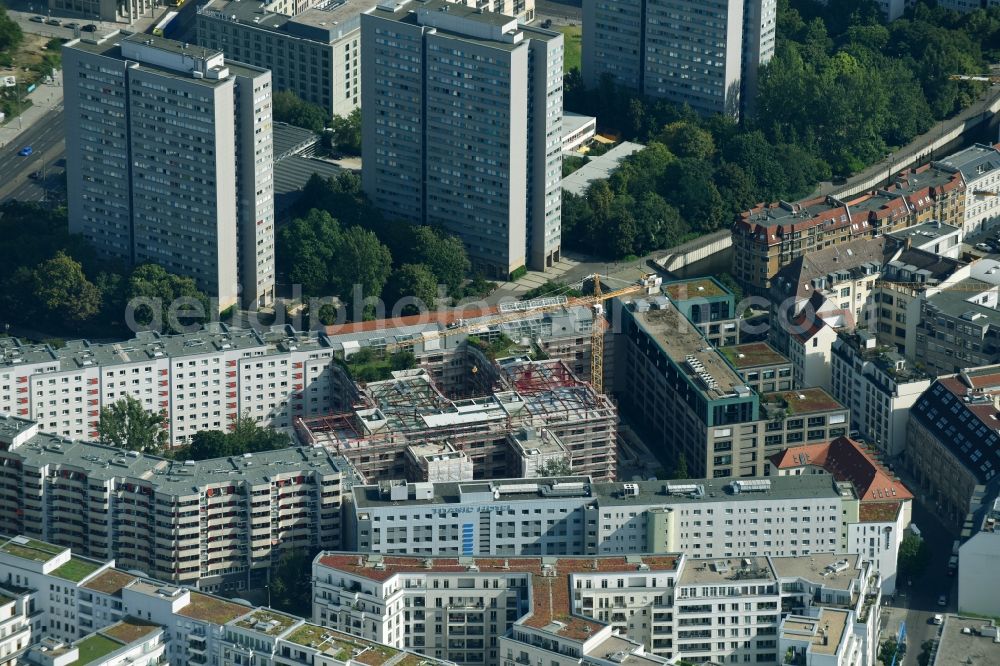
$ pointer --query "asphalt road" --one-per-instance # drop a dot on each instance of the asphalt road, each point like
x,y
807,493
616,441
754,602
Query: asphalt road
x,y
566,10
47,140
919,597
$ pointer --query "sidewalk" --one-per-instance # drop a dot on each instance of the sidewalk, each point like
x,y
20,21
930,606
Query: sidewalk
x,y
44,98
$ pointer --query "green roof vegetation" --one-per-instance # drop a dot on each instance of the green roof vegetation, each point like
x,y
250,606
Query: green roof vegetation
x,y
76,570
704,287
751,355
130,630
212,609
94,647
803,401
32,549
317,637
4,599
267,621
376,654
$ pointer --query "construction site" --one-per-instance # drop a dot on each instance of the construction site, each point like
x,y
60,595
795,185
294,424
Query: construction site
x,y
406,427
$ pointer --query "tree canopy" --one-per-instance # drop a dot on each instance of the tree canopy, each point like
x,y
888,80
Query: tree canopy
x,y
245,436
287,107
127,425
842,91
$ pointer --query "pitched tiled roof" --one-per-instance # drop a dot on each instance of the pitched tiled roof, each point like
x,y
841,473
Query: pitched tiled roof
x,y
846,460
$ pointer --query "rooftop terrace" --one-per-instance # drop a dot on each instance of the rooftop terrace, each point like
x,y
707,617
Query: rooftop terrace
x,y
551,596
266,621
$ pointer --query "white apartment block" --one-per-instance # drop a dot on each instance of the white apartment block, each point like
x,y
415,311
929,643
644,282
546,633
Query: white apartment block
x,y
448,141
980,168
201,381
315,53
129,642
507,611
705,55
810,346
212,524
781,516
15,624
170,161
139,620
878,386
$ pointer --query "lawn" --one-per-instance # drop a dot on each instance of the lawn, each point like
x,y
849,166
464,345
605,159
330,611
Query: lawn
x,y
94,647
572,36
76,570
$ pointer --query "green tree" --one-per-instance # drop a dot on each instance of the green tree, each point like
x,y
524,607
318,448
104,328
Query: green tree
x,y
245,436
554,467
347,132
181,303
290,584
411,281
360,259
686,139
887,650
127,425
444,255
10,32
63,291
913,556
287,107
306,248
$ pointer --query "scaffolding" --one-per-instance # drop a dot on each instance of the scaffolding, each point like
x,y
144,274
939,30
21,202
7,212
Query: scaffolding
x,y
410,410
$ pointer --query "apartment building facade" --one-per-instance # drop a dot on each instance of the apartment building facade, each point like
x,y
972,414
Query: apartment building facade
x,y
435,156
210,524
760,365
952,441
879,387
980,167
705,56
499,611
316,53
139,620
152,176
771,236
710,306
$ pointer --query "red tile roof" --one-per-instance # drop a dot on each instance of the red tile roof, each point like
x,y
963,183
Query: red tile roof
x,y
846,460
805,326
550,594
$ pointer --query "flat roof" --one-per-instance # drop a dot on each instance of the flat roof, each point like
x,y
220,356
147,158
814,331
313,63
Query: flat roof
x,y
974,162
727,570
110,581
94,647
803,401
266,621
824,633
31,549
753,355
922,233
700,287
599,167
130,629
551,596
76,569
975,647
581,488
685,344
820,568
174,476
212,609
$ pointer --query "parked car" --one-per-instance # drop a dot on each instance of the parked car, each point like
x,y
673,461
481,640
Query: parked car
x,y
983,246
547,23
937,619
25,152
72,26
35,175
942,600
90,27
37,19
53,21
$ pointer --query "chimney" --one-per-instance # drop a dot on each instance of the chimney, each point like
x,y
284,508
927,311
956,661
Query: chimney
x,y
908,242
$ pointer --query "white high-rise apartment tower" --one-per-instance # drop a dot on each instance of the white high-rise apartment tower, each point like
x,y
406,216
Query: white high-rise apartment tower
x,y
704,53
169,161
462,128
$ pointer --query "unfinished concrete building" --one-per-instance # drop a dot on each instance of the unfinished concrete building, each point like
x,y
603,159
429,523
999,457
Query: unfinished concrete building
x,y
386,434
